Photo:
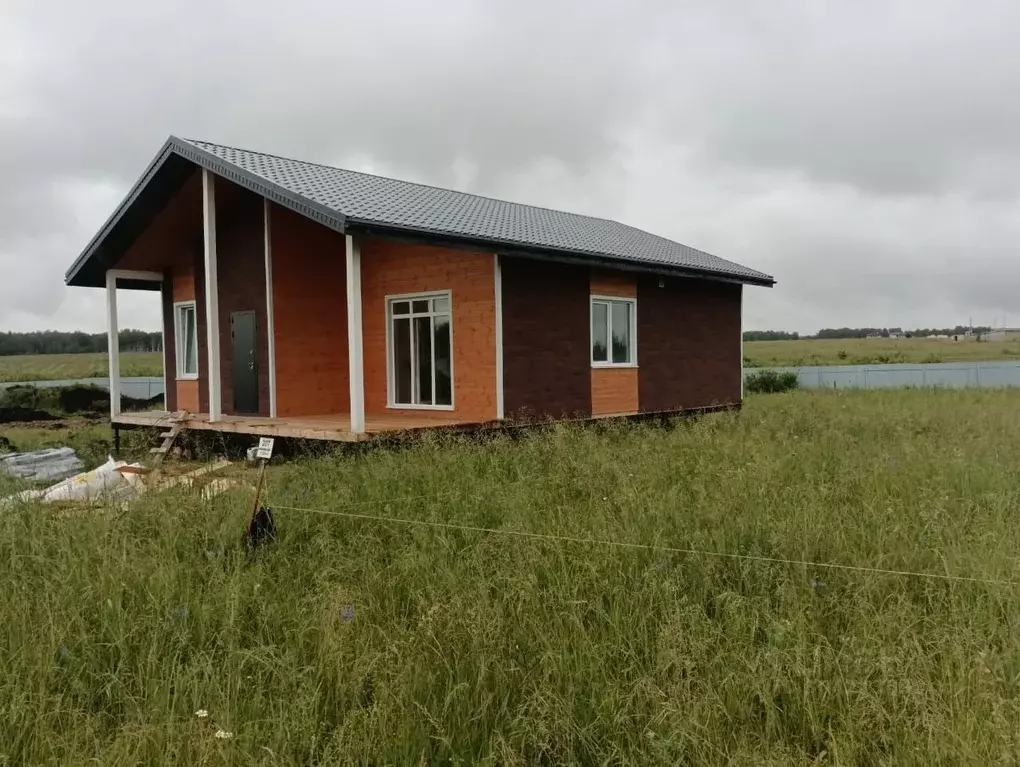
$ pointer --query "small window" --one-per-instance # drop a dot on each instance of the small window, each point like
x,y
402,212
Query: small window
x,y
613,340
186,339
421,352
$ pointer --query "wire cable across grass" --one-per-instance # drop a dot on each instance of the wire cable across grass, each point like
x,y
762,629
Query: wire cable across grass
x,y
629,545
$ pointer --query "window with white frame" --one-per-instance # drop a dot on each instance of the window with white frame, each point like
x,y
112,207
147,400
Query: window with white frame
x,y
419,336
186,339
613,332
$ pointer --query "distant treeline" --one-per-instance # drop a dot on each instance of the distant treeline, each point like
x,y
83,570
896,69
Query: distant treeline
x,y
770,335
77,342
782,335
959,330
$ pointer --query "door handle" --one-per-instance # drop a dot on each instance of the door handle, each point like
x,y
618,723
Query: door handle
x,y
251,366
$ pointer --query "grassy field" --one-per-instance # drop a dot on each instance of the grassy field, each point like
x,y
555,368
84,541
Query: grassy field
x,y
364,641
52,367
866,351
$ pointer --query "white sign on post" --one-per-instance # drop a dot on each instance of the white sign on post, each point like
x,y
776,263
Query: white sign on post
x,y
265,449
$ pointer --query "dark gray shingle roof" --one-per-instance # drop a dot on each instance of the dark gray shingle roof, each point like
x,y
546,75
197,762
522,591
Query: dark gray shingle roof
x,y
361,198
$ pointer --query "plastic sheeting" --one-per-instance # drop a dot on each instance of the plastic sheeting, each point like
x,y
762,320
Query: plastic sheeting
x,y
54,463
105,482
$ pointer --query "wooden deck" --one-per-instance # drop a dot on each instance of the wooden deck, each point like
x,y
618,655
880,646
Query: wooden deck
x,y
335,428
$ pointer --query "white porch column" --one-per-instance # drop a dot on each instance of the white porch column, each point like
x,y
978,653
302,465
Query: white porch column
x,y
113,328
113,343
212,304
270,326
355,346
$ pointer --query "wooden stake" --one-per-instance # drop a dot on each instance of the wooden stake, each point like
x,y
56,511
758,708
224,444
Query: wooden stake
x,y
258,492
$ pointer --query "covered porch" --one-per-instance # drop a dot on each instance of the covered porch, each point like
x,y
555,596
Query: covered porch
x,y
279,321
295,367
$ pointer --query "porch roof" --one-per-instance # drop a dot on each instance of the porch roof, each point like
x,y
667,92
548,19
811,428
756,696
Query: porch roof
x,y
348,201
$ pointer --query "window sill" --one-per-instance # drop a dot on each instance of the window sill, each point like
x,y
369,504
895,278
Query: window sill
x,y
613,366
186,377
447,408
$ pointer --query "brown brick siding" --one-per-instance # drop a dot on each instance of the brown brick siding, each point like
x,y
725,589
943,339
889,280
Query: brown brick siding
x,y
546,359
171,233
688,343
309,315
241,277
393,267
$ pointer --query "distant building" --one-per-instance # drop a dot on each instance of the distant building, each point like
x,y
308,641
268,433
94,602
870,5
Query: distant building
x,y
1003,334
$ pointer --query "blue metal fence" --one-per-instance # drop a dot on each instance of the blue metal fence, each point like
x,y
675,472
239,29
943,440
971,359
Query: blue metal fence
x,y
141,387
958,375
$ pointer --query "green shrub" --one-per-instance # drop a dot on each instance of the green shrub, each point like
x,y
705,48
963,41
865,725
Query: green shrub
x,y
26,397
770,382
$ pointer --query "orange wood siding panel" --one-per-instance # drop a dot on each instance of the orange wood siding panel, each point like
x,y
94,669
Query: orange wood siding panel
x,y
183,290
309,315
391,267
187,396
614,390
613,284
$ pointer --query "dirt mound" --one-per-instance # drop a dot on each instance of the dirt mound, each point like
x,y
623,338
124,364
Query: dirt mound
x,y
25,415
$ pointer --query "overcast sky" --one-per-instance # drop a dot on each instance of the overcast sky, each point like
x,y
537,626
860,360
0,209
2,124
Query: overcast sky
x,y
866,153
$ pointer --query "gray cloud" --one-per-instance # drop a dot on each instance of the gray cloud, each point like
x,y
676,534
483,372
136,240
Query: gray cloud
x,y
865,153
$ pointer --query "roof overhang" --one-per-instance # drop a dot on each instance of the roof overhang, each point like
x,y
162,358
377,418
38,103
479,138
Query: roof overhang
x,y
162,179
550,254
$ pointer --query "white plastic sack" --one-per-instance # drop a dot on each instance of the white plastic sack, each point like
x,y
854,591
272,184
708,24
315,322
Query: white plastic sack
x,y
104,481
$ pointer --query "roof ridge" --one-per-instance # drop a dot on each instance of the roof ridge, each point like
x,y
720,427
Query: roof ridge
x,y
418,183
372,199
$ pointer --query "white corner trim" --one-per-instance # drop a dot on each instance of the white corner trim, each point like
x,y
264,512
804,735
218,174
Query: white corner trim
x,y
270,324
499,337
741,343
113,343
355,341
212,304
162,336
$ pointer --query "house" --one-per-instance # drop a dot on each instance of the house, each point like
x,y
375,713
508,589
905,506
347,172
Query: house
x,y
305,300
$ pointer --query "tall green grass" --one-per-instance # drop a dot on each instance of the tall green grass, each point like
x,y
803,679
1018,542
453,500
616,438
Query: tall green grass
x,y
379,642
